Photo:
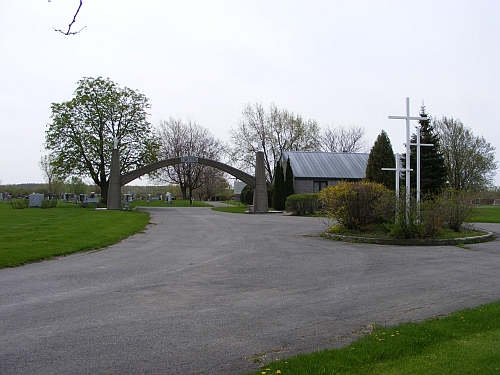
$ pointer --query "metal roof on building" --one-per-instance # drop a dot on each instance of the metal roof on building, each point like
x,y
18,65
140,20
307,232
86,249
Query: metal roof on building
x,y
327,165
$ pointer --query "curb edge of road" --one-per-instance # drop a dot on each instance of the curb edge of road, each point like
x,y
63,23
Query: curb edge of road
x,y
489,236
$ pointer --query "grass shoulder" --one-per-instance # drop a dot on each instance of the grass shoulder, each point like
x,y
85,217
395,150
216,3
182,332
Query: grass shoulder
x,y
464,342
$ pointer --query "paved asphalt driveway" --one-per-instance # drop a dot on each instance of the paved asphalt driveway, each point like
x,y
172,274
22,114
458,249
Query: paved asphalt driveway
x,y
203,292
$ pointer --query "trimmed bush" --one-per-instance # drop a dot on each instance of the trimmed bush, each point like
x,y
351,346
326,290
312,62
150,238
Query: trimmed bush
x,y
301,204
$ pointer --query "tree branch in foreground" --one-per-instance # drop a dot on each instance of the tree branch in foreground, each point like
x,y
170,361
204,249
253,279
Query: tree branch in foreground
x,y
69,32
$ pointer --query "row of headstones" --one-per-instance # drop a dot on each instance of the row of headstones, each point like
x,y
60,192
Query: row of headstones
x,y
128,198
6,196
35,200
168,198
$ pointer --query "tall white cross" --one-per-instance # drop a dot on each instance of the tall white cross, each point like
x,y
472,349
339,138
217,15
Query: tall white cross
x,y
418,144
408,118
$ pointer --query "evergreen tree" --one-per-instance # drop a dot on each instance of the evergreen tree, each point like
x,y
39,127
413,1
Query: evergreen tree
x,y
279,188
381,156
288,180
433,174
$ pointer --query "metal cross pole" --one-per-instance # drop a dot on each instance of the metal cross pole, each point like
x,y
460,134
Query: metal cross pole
x,y
408,118
418,144
398,169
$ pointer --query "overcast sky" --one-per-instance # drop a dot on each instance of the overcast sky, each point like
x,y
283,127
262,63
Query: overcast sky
x,y
338,62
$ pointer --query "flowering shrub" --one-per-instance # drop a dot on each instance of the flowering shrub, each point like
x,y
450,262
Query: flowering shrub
x,y
353,204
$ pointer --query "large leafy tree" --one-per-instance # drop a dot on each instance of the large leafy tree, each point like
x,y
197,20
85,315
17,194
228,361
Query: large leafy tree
x,y
381,156
272,132
469,159
433,174
80,137
179,139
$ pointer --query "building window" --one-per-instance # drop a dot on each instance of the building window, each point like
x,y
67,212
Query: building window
x,y
319,185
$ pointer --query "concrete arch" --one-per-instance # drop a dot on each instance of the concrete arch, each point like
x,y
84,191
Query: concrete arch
x,y
116,180
131,176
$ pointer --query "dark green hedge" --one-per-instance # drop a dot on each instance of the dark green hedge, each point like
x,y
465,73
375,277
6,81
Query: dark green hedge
x,y
301,204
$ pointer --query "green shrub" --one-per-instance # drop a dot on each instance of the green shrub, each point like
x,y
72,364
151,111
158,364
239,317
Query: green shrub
x,y
246,196
49,203
19,204
301,204
353,204
449,210
457,208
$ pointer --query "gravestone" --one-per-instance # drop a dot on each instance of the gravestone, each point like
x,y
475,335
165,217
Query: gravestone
x,y
36,200
496,202
1,197
8,198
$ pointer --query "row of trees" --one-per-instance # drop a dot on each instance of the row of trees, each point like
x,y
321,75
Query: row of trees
x,y
82,132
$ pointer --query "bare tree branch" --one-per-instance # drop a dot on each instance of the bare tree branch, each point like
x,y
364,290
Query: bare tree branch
x,y
69,32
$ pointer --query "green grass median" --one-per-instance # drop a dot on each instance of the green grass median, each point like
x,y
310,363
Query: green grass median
x,y
34,234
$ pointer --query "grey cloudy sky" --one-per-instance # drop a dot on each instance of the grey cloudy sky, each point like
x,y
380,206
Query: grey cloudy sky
x,y
338,62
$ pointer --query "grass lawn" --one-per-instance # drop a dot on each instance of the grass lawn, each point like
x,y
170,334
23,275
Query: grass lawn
x,y
486,214
34,234
465,342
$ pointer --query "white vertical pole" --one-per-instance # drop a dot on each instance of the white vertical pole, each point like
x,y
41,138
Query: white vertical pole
x,y
418,144
397,175
407,166
418,165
